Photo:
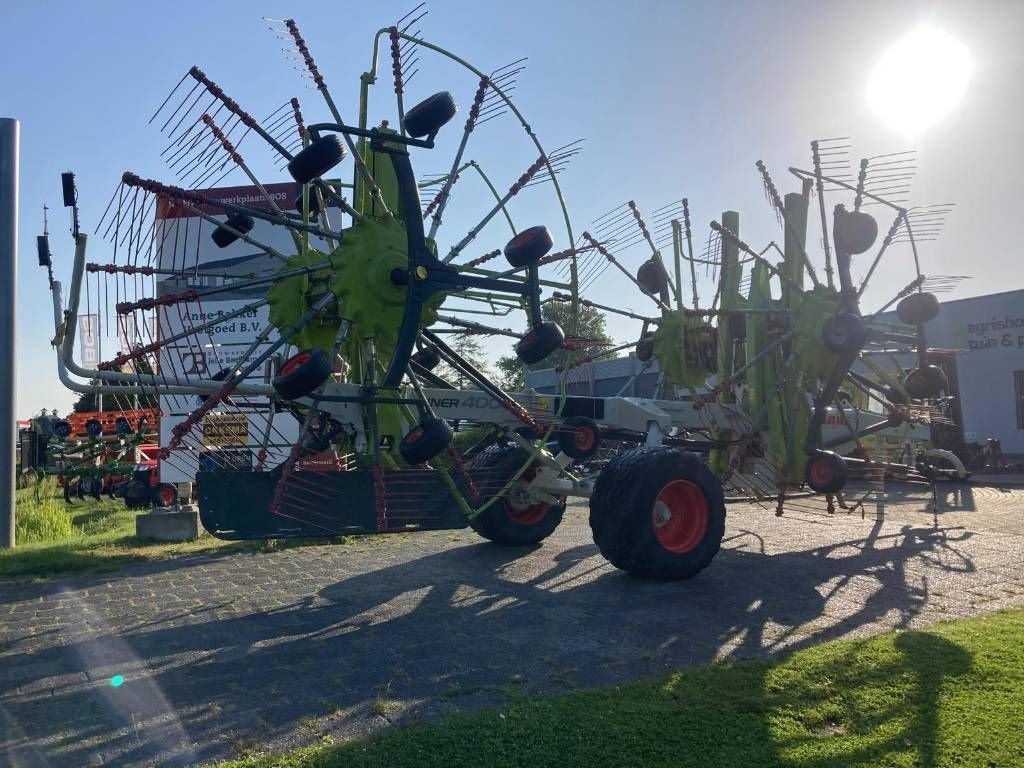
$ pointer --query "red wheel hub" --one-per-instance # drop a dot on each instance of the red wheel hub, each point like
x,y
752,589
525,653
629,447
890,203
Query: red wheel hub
x,y
584,438
294,363
680,516
821,472
530,515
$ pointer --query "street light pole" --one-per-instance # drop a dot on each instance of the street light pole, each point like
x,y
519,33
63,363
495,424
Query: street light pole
x,y
9,135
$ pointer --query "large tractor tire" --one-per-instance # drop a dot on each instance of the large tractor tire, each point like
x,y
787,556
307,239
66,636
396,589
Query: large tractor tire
x,y
510,521
658,513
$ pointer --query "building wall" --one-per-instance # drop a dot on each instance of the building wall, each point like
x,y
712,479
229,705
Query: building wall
x,y
988,334
606,378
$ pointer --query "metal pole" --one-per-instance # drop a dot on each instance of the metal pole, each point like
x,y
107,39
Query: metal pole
x,y
9,129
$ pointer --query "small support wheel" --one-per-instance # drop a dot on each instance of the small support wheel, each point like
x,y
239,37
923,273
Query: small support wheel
x,y
427,117
164,495
530,245
314,204
854,232
425,441
895,396
652,277
62,429
302,374
843,333
825,472
579,437
427,359
540,342
645,348
237,221
926,382
318,158
122,426
918,308
136,495
658,513
514,519
94,428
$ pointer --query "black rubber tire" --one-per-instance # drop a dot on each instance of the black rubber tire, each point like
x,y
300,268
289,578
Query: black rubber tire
x,y
498,523
645,348
843,332
137,495
825,472
539,343
122,426
62,430
318,158
239,221
918,308
161,493
302,373
94,428
424,441
314,204
579,437
894,396
652,277
427,359
925,383
429,115
622,512
854,232
96,487
67,491
530,245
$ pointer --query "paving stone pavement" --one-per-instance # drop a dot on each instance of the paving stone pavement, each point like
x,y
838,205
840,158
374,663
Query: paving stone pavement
x,y
223,653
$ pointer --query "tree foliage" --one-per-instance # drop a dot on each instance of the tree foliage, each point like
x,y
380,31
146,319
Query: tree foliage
x,y
88,401
469,348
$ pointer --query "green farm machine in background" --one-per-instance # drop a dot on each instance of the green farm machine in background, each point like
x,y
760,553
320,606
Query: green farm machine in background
x,y
345,401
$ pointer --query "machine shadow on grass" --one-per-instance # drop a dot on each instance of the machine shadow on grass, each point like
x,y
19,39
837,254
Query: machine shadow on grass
x,y
460,628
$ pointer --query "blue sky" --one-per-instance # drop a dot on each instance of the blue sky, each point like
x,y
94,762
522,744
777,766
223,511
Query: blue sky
x,y
673,99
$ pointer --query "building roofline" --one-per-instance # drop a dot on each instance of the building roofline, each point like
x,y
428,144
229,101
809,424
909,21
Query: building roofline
x,y
983,296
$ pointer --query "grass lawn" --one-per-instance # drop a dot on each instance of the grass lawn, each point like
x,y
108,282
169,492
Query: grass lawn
x,y
949,696
55,538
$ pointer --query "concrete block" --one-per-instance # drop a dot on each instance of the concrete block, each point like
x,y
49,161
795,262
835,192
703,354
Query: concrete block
x,y
169,525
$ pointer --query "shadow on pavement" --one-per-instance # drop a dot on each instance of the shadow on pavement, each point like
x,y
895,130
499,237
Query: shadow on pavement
x,y
434,629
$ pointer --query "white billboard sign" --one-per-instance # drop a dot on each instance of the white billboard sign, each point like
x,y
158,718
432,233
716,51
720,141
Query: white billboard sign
x,y
186,246
89,339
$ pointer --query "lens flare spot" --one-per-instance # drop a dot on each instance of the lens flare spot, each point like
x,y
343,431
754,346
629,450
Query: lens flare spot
x,y
116,681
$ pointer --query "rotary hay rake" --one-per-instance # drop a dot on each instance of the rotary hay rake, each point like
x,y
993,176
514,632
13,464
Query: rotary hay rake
x,y
360,305
331,417
774,368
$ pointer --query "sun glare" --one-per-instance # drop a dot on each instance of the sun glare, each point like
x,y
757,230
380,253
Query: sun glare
x,y
919,80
